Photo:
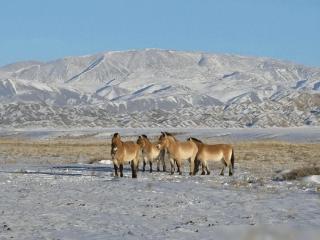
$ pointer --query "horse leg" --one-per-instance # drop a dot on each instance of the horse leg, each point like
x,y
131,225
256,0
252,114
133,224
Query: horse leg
x,y
230,169
164,169
134,168
135,165
208,171
116,170
224,165
163,153
150,163
222,171
196,166
138,163
229,163
203,169
121,170
158,164
144,165
172,165
179,166
192,159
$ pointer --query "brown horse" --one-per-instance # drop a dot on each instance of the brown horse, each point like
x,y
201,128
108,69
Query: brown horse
x,y
123,153
150,153
178,151
214,153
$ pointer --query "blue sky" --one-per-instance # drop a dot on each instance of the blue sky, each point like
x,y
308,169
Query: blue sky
x,y
46,30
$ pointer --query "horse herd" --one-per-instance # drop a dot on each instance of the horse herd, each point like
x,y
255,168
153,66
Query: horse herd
x,y
193,150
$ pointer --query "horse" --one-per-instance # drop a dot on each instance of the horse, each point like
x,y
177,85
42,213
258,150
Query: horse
x,y
214,153
123,153
150,153
178,151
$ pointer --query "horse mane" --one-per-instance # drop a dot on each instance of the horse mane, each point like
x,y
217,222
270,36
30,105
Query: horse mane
x,y
145,136
196,140
171,135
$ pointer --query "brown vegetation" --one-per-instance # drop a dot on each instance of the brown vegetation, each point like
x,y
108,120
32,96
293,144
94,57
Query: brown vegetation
x,y
262,158
298,173
266,157
54,151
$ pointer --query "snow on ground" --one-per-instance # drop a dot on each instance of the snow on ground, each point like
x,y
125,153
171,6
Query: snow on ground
x,y
108,162
292,134
312,179
85,201
82,201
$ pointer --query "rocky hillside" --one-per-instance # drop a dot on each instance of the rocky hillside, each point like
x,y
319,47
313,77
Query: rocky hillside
x,y
159,88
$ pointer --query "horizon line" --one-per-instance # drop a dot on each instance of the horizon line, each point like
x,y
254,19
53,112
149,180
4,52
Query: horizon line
x,y
160,49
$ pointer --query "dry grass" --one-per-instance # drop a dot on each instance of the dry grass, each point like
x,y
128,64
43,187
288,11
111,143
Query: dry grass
x,y
263,158
277,155
300,172
54,151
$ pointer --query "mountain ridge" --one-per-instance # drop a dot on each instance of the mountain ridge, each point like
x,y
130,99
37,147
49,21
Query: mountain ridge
x,y
137,81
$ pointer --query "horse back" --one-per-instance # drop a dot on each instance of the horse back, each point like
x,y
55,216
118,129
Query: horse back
x,y
127,151
223,150
131,147
187,148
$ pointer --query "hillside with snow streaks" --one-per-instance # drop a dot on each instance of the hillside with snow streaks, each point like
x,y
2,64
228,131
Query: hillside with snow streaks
x,y
159,88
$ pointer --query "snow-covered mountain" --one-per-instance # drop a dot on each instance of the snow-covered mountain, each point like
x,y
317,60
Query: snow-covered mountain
x,y
159,88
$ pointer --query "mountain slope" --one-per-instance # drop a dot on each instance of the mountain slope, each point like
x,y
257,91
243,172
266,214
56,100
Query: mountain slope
x,y
169,84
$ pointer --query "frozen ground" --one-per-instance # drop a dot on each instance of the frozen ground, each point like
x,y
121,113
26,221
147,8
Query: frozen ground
x,y
293,134
86,202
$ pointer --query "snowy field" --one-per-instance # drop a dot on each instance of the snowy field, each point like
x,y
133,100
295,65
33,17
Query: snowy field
x,y
85,201
293,134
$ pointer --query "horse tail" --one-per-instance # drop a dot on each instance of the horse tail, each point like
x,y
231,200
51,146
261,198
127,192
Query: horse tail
x,y
232,159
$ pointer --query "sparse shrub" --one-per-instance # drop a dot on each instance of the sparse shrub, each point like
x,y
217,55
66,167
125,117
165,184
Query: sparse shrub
x,y
297,173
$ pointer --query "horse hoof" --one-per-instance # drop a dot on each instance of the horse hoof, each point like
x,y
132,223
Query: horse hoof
x,y
203,173
221,174
208,173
